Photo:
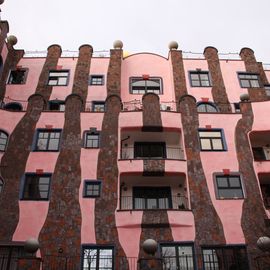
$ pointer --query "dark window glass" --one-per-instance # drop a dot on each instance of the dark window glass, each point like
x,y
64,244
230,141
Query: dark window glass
x,y
98,106
36,187
261,153
206,107
48,140
141,86
58,77
13,106
199,78
211,140
150,150
92,188
91,140
226,258
17,76
96,80
229,187
237,108
152,198
177,256
1,185
248,80
98,258
57,105
3,140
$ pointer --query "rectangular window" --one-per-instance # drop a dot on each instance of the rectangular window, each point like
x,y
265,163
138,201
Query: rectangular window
x,y
178,256
212,140
36,187
57,105
48,140
199,78
98,106
17,76
96,80
92,189
229,257
267,89
91,139
141,86
152,198
249,80
229,187
98,258
149,150
58,77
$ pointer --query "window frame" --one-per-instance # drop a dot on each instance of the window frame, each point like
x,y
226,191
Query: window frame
x,y
141,144
91,182
2,183
248,73
222,138
6,143
23,186
210,104
101,76
217,188
58,71
98,102
199,73
176,245
97,247
26,70
145,90
58,102
36,139
91,132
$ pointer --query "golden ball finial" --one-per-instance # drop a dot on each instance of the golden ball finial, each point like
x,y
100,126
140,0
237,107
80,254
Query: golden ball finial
x,y
118,44
12,40
173,45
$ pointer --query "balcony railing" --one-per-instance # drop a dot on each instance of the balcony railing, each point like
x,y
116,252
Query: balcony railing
x,y
171,153
174,202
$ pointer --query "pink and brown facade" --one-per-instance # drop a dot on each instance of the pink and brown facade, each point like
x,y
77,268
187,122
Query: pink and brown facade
x,y
98,154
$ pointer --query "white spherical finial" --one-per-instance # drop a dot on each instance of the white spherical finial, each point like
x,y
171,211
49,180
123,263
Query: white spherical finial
x,y
263,243
173,45
150,246
2,1
118,44
12,40
31,245
244,97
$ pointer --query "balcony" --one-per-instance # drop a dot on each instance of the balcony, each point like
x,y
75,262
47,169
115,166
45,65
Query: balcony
x,y
264,179
260,143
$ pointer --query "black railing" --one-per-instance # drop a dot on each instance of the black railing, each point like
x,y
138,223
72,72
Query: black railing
x,y
171,153
175,203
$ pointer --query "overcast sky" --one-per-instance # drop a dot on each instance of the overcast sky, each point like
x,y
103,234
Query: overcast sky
x,y
142,25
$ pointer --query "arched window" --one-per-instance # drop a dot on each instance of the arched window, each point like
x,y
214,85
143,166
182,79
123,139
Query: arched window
x,y
1,185
13,106
206,107
3,140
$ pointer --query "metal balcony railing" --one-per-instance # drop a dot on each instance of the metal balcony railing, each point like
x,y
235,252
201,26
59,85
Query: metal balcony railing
x,y
141,203
171,153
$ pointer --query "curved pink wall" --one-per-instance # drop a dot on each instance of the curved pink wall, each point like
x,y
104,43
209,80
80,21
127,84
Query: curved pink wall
x,y
215,162
145,63
23,91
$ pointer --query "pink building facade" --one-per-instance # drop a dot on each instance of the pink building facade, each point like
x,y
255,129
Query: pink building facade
x,y
99,154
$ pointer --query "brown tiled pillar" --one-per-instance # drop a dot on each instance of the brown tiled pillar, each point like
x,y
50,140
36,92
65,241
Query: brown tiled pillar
x,y
252,66
179,78
218,88
253,213
208,226
107,168
29,263
19,146
62,228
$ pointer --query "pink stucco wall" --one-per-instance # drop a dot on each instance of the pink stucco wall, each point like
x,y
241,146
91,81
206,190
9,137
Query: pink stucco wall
x,y
4,52
146,63
215,162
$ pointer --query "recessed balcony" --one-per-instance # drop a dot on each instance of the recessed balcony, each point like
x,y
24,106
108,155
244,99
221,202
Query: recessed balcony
x,y
264,179
260,143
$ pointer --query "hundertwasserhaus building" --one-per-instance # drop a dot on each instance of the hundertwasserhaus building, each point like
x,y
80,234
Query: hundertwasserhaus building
x,y
99,154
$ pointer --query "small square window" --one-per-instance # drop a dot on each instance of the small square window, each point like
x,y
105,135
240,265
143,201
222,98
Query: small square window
x,y
229,187
96,80
249,80
48,140
98,106
17,76
36,187
92,189
58,77
91,139
199,79
212,140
